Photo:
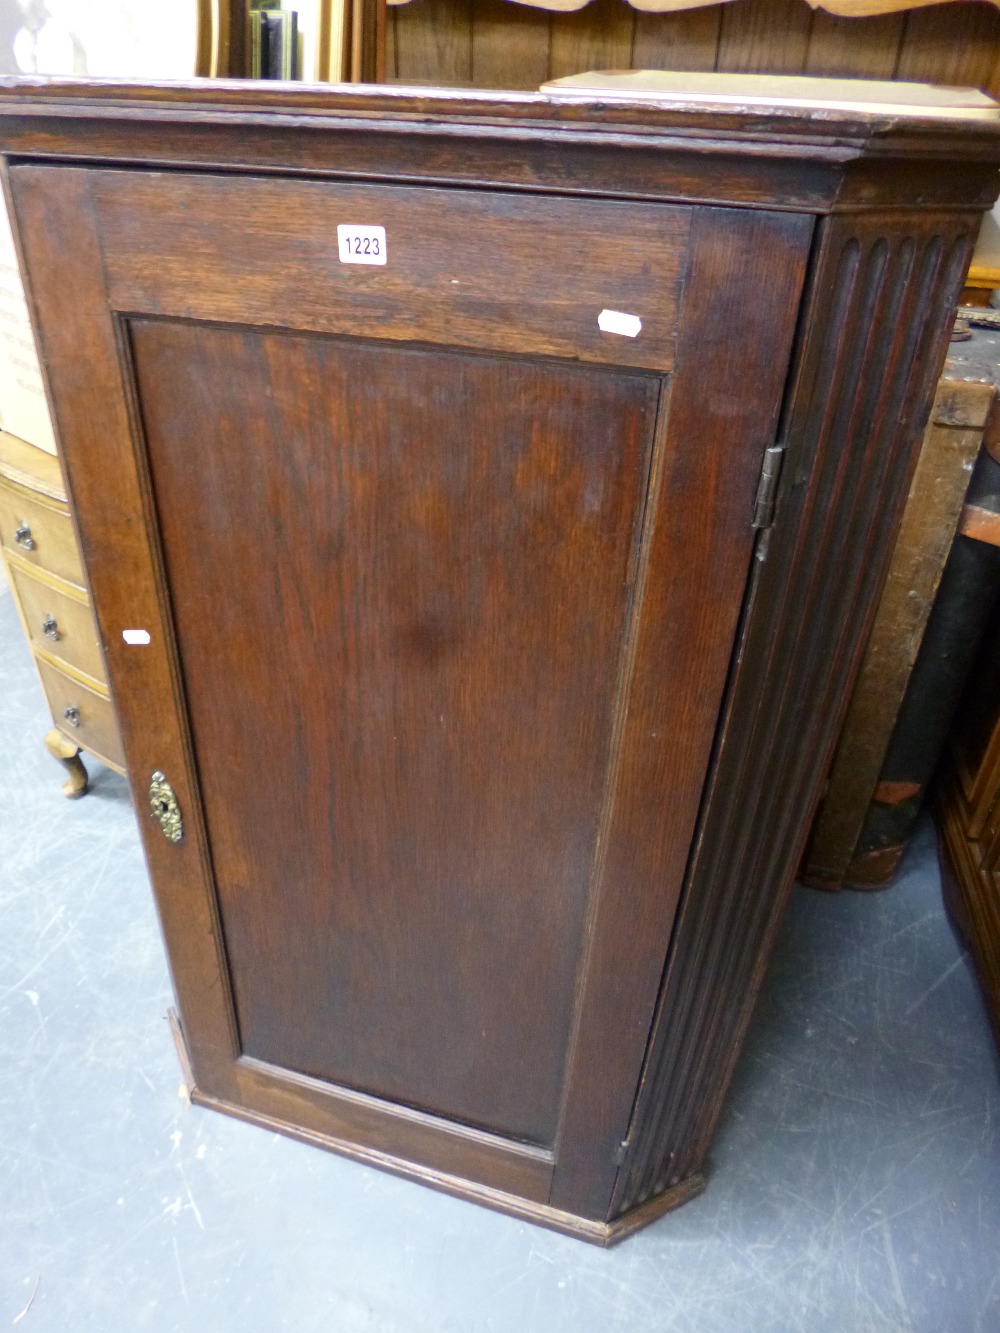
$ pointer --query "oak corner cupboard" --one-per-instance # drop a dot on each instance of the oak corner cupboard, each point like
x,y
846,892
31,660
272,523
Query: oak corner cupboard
x,y
485,498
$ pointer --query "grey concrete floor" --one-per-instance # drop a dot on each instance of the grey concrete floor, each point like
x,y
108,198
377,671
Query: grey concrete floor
x,y
855,1183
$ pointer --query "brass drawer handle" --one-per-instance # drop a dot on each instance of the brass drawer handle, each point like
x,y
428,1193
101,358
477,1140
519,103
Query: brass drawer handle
x,y
50,629
72,715
166,811
23,537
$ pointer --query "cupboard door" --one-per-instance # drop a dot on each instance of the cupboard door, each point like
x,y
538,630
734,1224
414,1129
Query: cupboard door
x,y
442,580
399,580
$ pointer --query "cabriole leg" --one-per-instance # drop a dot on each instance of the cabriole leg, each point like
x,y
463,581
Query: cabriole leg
x,y
62,748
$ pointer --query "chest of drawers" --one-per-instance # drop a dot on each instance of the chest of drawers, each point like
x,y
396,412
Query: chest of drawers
x,y
499,594
42,562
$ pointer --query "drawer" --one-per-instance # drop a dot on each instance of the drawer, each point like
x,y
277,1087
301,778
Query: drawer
x,y
39,531
59,622
91,721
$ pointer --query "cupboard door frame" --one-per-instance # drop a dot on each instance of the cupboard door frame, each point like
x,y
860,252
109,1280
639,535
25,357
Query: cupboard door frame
x,y
725,391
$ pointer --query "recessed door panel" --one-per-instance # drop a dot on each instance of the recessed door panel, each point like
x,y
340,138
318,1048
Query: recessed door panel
x,y
400,580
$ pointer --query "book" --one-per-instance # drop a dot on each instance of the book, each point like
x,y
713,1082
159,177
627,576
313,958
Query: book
x,y
274,43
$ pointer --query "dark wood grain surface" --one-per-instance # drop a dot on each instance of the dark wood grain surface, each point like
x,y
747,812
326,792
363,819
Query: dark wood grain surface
x,y
478,269
668,150
511,951
417,566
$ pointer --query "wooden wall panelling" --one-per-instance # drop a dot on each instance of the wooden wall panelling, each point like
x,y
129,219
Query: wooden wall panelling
x,y
857,48
764,36
496,43
954,44
688,40
510,45
434,41
597,37
869,364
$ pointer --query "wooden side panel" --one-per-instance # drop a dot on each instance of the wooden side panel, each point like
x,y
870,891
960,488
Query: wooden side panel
x,y
724,404
476,269
870,362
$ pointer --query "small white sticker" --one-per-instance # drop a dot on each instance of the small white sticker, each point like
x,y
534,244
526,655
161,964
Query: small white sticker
x,y
361,245
616,321
135,635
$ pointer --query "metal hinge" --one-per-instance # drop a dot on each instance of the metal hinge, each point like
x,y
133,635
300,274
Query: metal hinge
x,y
767,487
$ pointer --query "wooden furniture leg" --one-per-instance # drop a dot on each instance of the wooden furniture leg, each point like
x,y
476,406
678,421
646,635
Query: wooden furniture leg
x,y
62,748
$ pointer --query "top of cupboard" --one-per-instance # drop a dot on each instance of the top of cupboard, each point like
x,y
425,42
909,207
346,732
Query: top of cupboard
x,y
670,144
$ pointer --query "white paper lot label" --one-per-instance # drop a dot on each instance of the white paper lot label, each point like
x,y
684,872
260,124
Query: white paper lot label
x,y
617,321
361,245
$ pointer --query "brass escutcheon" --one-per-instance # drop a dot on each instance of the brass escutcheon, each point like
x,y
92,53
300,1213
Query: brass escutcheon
x,y
166,811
